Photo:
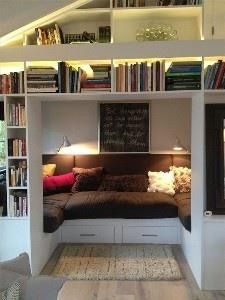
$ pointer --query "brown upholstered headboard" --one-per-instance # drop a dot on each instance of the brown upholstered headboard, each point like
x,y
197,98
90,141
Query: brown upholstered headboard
x,y
118,163
64,163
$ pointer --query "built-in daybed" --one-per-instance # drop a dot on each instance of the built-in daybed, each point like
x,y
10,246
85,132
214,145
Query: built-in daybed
x,y
119,209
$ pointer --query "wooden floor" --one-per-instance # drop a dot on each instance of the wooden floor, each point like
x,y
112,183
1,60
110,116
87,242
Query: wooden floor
x,y
186,289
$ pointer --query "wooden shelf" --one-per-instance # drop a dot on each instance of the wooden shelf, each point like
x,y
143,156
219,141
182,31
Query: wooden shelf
x,y
17,187
105,51
118,96
16,127
175,11
17,157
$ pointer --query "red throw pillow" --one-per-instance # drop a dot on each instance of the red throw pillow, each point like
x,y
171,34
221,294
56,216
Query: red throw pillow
x,y
58,184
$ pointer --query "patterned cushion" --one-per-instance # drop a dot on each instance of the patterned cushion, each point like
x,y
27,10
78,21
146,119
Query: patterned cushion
x,y
12,293
85,182
182,177
161,182
124,183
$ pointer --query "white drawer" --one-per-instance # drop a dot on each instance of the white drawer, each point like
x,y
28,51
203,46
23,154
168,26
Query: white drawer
x,y
88,234
150,234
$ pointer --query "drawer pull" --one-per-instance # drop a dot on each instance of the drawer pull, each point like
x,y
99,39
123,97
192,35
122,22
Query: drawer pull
x,y
87,234
153,235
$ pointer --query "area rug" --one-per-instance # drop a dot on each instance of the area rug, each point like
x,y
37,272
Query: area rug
x,y
117,262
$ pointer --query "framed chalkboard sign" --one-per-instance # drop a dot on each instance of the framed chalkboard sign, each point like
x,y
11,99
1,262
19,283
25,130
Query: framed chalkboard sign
x,y
124,127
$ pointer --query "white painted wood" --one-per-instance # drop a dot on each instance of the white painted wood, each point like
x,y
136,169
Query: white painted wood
x,y
121,231
88,234
14,237
182,19
214,253
150,234
192,242
131,50
39,240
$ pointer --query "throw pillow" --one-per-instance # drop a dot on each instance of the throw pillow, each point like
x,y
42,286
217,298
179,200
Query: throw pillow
x,y
12,292
98,171
161,182
85,182
182,177
124,183
48,170
58,184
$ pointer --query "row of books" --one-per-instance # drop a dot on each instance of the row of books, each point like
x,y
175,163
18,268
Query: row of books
x,y
16,115
140,77
49,35
98,81
41,79
18,204
139,3
215,76
69,78
104,34
12,83
128,3
18,175
183,76
17,147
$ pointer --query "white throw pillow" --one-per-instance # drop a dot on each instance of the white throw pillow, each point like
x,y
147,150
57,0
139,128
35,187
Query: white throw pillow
x,y
161,182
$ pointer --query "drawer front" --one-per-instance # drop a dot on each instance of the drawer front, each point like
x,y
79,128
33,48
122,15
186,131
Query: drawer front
x,y
150,234
88,234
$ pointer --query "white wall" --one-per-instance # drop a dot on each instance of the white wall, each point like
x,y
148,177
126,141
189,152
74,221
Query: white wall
x,y
170,119
79,121
17,13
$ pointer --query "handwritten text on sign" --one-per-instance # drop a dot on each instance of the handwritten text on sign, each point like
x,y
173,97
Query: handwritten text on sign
x,y
124,127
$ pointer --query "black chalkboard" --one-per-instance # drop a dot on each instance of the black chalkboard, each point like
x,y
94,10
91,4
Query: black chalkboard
x,y
124,127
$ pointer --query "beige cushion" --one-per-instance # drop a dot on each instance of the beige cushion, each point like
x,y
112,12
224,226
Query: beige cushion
x,y
161,182
182,177
48,170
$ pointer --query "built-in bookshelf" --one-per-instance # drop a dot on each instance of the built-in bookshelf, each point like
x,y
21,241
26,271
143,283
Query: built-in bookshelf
x,y
17,169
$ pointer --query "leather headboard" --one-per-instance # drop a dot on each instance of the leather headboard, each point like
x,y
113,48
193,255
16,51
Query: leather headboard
x,y
64,163
118,164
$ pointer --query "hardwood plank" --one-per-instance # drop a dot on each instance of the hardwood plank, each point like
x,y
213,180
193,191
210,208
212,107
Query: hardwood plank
x,y
185,289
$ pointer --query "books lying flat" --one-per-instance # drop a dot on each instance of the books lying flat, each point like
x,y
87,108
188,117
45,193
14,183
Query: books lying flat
x,y
42,90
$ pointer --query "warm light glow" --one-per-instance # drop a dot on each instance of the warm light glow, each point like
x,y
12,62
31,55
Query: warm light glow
x,y
52,17
84,148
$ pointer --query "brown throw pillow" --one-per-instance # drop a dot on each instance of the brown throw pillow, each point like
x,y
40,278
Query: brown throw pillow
x,y
124,183
85,182
98,171
87,179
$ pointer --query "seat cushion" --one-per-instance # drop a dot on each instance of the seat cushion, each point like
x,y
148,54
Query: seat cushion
x,y
53,211
184,209
129,205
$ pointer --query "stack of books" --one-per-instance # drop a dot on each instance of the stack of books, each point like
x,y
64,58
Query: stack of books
x,y
41,79
16,115
140,77
12,83
184,76
18,175
18,204
69,78
17,147
215,76
99,82
49,36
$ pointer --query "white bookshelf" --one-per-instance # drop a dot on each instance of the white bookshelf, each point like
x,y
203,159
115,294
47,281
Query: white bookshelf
x,y
192,26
